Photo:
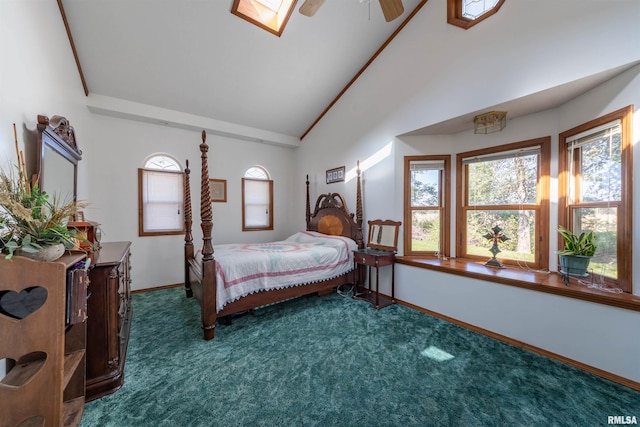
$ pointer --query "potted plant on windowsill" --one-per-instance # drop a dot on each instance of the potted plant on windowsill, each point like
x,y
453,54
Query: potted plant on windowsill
x,y
32,224
577,252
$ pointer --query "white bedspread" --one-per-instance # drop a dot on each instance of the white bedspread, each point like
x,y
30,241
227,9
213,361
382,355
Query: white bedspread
x,y
302,258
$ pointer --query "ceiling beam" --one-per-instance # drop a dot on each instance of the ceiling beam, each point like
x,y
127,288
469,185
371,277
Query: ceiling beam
x,y
73,47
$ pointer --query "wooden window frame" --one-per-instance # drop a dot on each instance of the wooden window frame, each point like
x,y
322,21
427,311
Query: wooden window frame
x,y
541,237
454,14
141,227
625,213
270,225
245,9
445,205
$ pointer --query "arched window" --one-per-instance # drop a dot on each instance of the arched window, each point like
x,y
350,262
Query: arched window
x,y
163,162
467,13
160,196
257,200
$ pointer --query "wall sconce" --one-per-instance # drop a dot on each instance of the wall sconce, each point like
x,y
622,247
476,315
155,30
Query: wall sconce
x,y
493,121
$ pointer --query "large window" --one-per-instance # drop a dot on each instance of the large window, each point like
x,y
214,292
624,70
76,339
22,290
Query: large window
x,y
257,200
505,187
426,205
160,197
595,191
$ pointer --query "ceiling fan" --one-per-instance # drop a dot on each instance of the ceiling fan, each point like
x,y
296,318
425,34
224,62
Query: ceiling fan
x,y
391,9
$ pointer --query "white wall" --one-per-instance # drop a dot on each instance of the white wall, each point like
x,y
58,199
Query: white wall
x,y
420,80
39,76
157,260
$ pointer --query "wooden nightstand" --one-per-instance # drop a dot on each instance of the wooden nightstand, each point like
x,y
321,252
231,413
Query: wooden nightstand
x,y
381,251
374,258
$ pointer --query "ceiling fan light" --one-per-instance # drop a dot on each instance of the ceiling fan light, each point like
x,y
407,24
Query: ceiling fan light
x,y
493,121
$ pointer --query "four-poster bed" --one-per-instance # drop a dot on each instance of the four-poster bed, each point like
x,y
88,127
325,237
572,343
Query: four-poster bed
x,y
223,285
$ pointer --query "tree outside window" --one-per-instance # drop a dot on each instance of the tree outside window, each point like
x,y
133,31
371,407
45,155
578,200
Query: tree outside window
x,y
426,205
507,187
595,194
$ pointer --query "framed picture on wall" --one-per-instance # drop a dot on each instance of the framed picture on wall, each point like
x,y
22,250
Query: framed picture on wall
x,y
218,190
335,175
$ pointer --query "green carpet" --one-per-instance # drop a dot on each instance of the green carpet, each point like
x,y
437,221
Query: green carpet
x,y
334,361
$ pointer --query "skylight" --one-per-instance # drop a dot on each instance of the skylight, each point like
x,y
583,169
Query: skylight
x,y
467,13
270,15
271,4
473,9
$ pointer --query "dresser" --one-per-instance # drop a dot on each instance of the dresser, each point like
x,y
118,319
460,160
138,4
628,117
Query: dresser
x,y
109,314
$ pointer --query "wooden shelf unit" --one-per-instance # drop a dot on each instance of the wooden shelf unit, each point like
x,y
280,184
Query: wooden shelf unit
x,y
44,356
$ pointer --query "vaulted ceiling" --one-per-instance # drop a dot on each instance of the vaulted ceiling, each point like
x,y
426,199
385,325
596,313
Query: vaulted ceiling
x,y
196,57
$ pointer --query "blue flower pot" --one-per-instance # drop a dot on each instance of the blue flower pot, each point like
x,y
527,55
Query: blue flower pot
x,y
574,265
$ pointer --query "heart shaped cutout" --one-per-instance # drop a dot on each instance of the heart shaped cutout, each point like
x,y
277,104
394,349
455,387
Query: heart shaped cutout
x,y
19,305
20,371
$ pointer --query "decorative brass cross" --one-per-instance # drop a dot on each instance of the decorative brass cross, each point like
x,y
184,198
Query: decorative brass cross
x,y
498,237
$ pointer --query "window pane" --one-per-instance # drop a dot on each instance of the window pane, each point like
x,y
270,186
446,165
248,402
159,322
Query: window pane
x,y
163,187
600,175
425,231
274,5
602,221
425,189
163,163
257,198
425,205
162,217
518,226
473,9
162,201
256,173
510,181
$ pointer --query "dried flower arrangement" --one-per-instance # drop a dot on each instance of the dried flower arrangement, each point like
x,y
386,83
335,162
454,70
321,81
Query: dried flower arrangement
x,y
30,220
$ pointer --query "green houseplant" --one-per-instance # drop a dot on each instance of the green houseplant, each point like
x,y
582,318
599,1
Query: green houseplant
x,y
31,221
577,252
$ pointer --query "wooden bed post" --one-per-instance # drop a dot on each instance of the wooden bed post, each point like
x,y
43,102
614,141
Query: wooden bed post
x,y
359,238
208,304
188,237
206,212
308,217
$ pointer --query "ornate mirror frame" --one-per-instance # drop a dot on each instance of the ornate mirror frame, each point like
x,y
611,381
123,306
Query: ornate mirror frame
x,y
383,234
57,157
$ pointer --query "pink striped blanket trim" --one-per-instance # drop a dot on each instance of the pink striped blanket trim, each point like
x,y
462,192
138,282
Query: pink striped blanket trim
x,y
243,269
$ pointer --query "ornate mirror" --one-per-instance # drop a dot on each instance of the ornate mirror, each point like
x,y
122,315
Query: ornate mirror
x,y
57,158
383,235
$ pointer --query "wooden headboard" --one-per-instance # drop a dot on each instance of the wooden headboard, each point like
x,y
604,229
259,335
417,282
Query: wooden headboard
x,y
331,215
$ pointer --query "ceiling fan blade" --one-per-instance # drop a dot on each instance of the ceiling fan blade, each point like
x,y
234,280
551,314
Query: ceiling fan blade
x,y
391,9
310,7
